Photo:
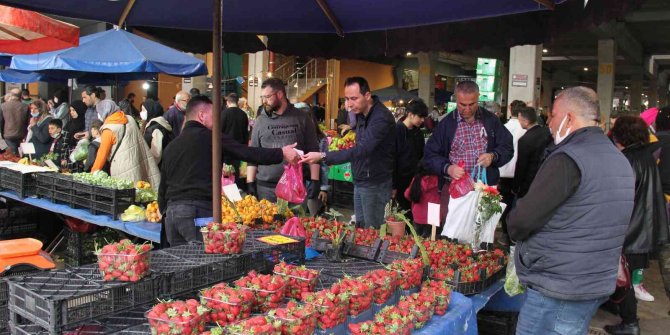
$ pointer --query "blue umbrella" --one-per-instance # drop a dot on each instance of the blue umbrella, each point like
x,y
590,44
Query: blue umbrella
x,y
24,77
5,59
289,16
114,52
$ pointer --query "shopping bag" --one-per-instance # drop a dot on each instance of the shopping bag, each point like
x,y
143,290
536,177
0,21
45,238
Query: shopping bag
x,y
623,281
489,227
291,186
294,227
462,186
460,221
512,284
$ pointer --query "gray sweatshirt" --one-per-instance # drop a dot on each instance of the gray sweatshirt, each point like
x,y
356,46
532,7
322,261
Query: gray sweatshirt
x,y
276,131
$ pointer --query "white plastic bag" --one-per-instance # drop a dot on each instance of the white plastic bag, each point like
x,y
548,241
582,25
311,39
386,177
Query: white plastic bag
x,y
489,227
512,284
460,221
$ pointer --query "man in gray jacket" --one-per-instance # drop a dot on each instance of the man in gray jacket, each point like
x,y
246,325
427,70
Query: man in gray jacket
x,y
571,224
14,120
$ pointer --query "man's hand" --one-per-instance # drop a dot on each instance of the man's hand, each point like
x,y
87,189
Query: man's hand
x,y
455,172
290,155
80,135
323,196
311,158
485,159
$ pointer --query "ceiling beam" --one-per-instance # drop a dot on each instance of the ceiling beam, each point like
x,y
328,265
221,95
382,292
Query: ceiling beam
x,y
549,4
626,42
331,17
648,16
126,11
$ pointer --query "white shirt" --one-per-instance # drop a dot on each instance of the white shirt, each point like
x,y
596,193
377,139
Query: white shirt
x,y
514,127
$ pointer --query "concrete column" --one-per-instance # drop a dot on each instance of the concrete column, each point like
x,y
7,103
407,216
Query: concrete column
x,y
636,93
525,74
258,69
606,62
653,92
427,78
547,93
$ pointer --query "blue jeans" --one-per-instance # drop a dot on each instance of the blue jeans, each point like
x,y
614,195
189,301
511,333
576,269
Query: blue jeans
x,y
369,203
544,315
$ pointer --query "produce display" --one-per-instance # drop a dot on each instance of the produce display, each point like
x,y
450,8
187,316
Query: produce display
x,y
359,291
268,290
248,210
124,261
296,319
331,308
348,141
226,304
177,317
223,238
144,193
9,156
421,306
257,325
153,214
133,213
100,178
299,279
390,320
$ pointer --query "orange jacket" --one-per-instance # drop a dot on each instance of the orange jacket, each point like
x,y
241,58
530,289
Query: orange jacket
x,y
107,140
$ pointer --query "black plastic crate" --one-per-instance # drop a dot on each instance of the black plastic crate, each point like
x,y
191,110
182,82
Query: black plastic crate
x,y
82,189
219,267
142,329
75,250
44,192
81,202
293,253
113,208
387,256
352,267
178,276
17,228
45,180
27,329
477,286
57,299
21,183
104,192
497,323
111,324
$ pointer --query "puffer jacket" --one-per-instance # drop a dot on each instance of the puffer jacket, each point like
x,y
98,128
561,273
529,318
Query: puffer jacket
x,y
133,160
648,229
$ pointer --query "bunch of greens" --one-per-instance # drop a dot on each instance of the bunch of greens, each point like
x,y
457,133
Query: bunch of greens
x,y
100,178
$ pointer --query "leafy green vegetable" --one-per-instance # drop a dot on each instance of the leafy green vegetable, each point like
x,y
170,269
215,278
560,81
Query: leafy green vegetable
x,y
100,178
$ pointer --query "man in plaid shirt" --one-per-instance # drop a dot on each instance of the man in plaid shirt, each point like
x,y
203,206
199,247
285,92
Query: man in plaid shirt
x,y
473,136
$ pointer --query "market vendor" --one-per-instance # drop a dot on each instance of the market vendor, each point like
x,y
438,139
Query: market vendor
x,y
372,156
123,148
185,191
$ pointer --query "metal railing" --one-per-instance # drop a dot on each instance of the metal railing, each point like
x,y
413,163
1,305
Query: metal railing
x,y
305,77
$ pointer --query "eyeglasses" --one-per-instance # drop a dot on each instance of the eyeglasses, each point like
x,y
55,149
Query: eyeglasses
x,y
266,97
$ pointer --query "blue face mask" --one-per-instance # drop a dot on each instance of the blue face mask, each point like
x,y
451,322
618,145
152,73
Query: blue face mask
x,y
35,114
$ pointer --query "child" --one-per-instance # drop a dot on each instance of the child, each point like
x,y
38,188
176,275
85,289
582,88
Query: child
x,y
93,145
421,191
58,143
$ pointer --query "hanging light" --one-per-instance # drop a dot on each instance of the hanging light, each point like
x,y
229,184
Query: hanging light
x,y
145,86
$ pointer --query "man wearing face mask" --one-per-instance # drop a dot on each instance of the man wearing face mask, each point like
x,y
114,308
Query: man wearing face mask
x,y
570,226
278,125
175,115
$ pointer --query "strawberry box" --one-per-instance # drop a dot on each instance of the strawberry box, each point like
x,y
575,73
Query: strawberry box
x,y
226,304
331,308
409,272
299,279
360,293
390,320
257,325
385,283
442,292
421,307
124,261
223,238
268,290
177,317
296,319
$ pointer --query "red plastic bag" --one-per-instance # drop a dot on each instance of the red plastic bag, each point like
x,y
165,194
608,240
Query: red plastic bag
x,y
290,186
463,186
293,227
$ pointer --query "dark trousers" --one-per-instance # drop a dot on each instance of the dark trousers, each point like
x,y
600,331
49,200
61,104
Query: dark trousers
x,y
505,188
179,220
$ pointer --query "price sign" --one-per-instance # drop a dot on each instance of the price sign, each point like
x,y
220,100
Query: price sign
x,y
276,239
232,192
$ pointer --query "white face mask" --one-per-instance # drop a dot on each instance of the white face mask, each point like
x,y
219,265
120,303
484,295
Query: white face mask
x,y
55,100
56,135
143,113
101,118
558,138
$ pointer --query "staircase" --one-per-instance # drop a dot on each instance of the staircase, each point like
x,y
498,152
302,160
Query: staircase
x,y
304,81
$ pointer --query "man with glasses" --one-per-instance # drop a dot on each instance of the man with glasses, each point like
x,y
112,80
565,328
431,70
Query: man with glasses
x,y
175,114
280,124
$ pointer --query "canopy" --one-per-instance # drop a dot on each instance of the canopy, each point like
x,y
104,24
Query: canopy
x,y
114,51
24,77
27,32
290,16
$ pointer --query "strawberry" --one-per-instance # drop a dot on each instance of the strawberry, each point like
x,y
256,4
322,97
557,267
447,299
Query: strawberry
x,y
226,304
331,308
409,272
390,320
296,319
257,325
421,307
268,290
223,238
360,293
442,292
177,317
123,261
298,279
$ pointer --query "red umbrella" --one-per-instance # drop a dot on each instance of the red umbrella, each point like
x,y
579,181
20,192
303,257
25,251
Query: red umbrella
x,y
27,32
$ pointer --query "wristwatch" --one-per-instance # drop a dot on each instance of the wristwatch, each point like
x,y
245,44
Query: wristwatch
x,y
323,157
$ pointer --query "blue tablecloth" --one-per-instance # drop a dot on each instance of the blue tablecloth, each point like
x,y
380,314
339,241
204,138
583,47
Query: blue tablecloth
x,y
146,230
461,318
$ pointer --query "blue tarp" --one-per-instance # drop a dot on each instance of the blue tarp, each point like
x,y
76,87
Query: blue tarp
x,y
291,16
114,52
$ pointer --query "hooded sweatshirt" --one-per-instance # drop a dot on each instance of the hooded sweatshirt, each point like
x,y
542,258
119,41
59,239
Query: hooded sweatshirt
x,y
158,134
